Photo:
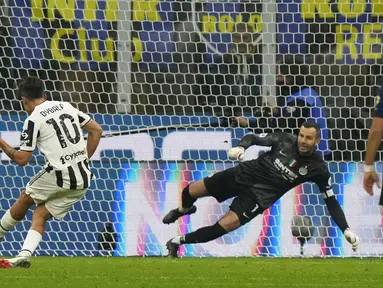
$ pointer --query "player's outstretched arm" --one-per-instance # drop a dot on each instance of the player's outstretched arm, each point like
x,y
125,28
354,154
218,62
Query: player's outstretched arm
x,y
270,139
373,142
337,213
94,135
339,218
265,139
20,157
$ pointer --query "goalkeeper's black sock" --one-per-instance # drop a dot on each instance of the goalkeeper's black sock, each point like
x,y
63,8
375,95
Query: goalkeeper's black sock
x,y
201,235
187,200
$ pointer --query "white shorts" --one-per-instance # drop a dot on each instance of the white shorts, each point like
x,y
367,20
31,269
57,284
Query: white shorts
x,y
43,189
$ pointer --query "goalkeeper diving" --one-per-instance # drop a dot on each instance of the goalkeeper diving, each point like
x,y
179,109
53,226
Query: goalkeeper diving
x,y
258,184
55,129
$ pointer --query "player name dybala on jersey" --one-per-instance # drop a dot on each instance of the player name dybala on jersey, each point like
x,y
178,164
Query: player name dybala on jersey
x,y
281,169
55,129
52,110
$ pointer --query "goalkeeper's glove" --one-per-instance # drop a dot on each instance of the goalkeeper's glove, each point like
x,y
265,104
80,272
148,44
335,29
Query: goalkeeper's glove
x,y
352,238
237,153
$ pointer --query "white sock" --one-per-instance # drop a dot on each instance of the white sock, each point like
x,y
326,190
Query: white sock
x,y
7,223
30,244
178,239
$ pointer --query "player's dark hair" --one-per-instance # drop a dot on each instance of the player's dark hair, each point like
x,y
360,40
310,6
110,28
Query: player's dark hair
x,y
31,88
312,124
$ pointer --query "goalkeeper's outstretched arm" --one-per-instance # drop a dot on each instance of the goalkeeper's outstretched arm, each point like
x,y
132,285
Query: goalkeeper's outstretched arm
x,y
269,139
260,139
336,211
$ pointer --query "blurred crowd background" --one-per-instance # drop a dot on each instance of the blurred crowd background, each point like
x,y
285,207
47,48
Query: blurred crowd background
x,y
171,70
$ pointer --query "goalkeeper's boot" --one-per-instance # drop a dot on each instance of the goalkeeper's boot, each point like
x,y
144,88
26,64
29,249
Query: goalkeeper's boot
x,y
172,248
17,262
174,214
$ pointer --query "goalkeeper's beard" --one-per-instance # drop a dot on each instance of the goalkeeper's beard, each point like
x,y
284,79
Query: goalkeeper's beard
x,y
308,152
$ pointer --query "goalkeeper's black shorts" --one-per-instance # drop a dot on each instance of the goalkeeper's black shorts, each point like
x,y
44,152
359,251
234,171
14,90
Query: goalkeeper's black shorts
x,y
223,186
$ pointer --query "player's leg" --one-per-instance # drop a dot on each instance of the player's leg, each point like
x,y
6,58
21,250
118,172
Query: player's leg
x,y
227,223
16,213
39,219
54,207
36,192
190,194
220,186
242,210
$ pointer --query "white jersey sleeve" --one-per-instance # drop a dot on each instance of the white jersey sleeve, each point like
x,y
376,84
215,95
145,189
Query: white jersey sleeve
x,y
28,138
83,118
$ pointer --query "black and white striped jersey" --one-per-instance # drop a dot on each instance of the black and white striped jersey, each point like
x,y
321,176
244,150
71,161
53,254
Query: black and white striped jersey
x,y
55,129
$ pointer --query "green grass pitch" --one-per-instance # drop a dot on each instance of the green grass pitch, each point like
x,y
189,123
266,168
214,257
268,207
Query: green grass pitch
x,y
198,272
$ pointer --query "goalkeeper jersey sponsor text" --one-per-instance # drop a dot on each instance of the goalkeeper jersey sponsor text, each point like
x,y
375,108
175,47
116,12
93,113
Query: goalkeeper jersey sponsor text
x,y
282,168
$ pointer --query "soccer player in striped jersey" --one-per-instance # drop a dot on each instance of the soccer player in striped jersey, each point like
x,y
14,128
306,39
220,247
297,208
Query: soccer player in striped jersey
x,y
55,129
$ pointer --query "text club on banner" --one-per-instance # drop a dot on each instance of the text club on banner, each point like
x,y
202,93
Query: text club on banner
x,y
78,33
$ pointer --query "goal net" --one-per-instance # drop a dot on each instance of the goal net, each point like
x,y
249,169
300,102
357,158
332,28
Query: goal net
x,y
188,79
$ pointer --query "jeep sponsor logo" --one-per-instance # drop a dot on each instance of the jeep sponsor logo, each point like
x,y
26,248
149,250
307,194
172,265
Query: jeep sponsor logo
x,y
72,156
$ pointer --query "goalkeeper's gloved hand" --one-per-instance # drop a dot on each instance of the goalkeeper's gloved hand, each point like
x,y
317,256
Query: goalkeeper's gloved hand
x,y
236,153
352,238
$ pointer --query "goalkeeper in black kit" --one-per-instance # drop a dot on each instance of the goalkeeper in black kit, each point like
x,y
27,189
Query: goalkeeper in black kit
x,y
258,184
